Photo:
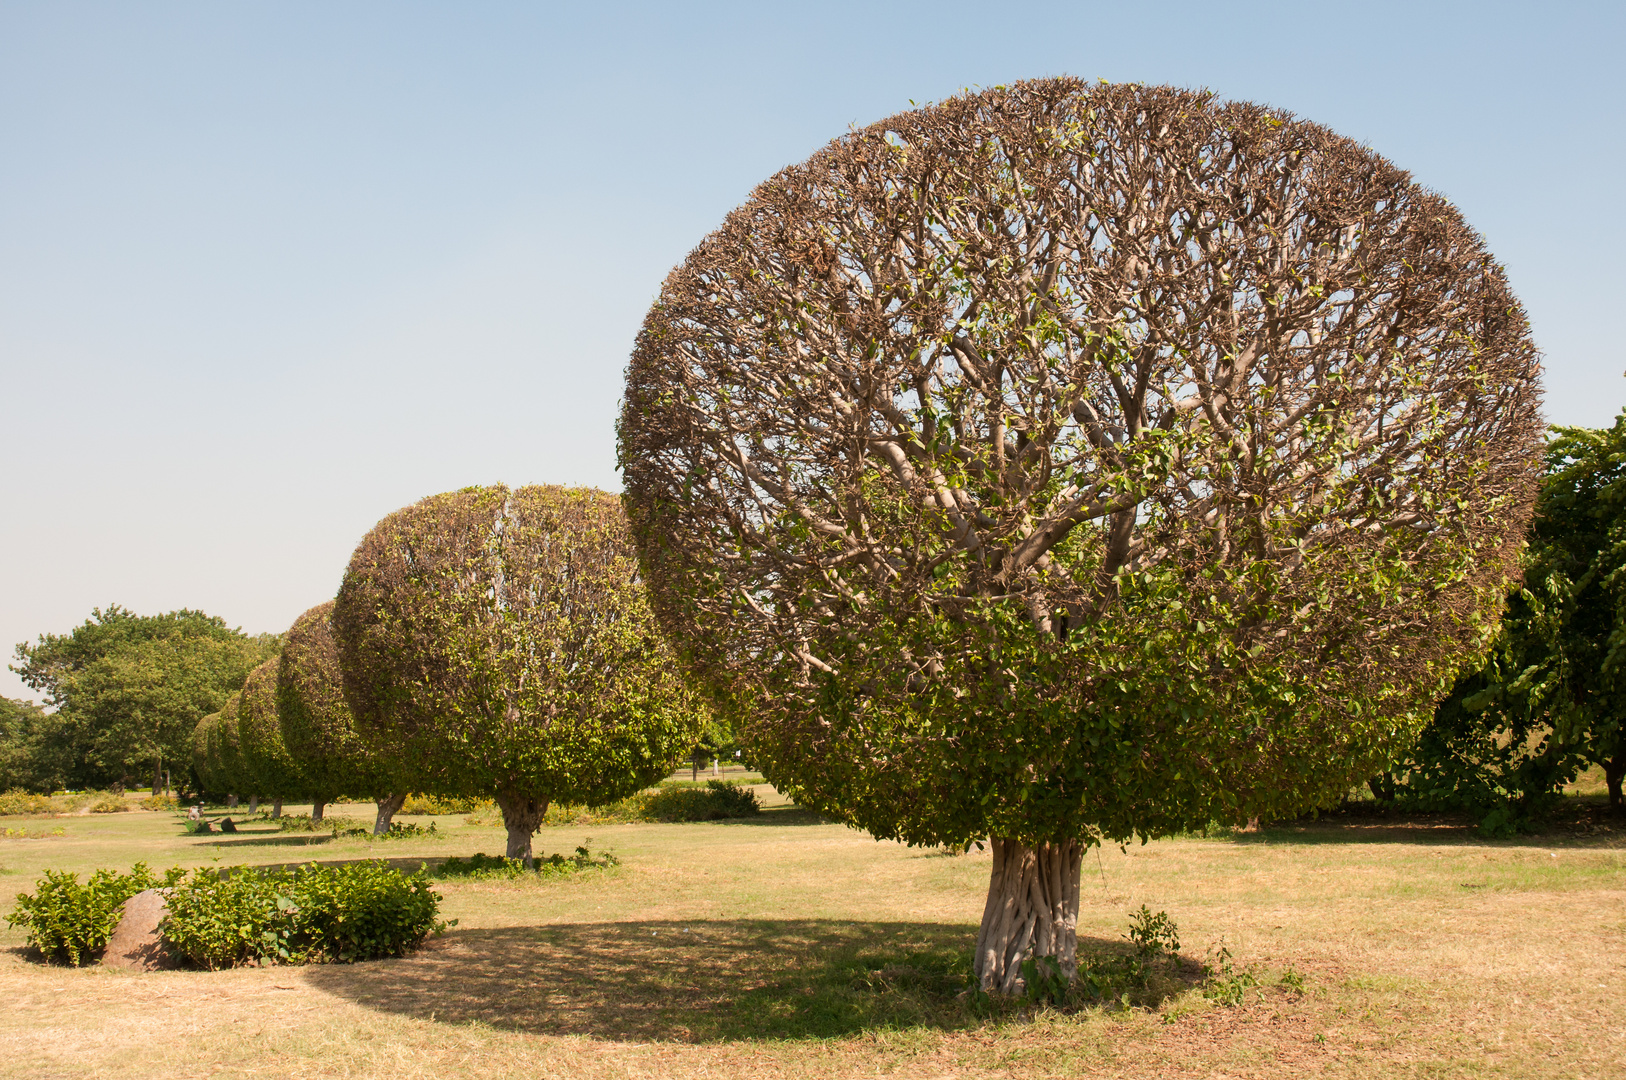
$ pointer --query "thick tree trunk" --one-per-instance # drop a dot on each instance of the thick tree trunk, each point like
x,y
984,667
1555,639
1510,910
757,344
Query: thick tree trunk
x,y
276,810
157,777
1032,910
1614,771
522,815
387,806
317,807
254,804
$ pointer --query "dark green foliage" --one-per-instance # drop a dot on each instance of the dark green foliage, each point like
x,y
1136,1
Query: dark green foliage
x,y
1551,696
70,922
317,727
129,689
217,756
312,914
719,799
501,642
26,759
399,830
483,867
268,769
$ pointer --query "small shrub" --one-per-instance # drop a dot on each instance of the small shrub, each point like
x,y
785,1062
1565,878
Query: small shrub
x,y
1225,984
1124,979
444,804
105,802
620,812
399,830
221,919
159,802
1153,933
18,801
303,823
356,911
25,833
69,922
483,867
363,911
718,800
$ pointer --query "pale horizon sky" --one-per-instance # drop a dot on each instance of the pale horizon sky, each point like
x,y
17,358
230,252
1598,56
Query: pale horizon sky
x,y
268,272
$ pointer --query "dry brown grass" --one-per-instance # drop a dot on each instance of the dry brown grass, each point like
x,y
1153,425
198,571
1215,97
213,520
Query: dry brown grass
x,y
728,949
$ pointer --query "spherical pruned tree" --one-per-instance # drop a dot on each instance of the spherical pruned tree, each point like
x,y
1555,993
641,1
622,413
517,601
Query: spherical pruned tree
x,y
1063,463
223,770
270,769
318,729
206,755
503,640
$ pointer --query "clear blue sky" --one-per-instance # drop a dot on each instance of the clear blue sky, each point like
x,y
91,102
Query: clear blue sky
x,y
269,271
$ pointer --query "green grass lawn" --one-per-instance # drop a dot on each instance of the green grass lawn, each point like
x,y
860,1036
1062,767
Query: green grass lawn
x,y
785,946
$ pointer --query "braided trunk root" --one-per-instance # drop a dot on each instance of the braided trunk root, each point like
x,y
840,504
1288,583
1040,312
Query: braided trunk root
x,y
1032,910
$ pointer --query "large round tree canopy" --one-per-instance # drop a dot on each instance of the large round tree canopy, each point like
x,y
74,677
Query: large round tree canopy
x,y
317,727
1063,461
502,642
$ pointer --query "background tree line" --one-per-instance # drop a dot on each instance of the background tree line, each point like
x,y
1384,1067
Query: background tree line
x,y
122,694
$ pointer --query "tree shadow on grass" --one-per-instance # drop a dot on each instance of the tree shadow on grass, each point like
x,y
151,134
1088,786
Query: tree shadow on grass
x,y
691,982
273,840
1432,830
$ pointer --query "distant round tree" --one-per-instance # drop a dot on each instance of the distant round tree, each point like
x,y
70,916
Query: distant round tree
x,y
206,755
271,770
224,771
1063,463
318,729
502,639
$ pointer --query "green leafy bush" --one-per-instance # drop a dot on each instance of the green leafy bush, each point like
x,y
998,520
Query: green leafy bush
x,y
444,804
18,801
313,914
1229,986
303,823
399,830
159,802
69,922
483,867
221,919
1110,977
717,800
105,802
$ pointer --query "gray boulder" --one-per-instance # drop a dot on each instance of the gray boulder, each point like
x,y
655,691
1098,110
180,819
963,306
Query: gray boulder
x,y
136,945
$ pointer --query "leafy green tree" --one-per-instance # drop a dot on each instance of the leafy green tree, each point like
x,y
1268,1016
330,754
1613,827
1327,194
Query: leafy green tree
x,y
502,641
1551,696
318,728
26,760
217,753
1070,462
271,769
129,689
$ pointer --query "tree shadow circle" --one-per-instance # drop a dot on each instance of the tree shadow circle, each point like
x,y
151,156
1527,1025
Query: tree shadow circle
x,y
676,981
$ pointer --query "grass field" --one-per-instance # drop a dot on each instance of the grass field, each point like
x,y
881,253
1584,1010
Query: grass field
x,y
786,947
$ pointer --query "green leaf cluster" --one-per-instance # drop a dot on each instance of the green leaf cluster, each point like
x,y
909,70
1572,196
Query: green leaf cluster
x,y
501,641
1550,697
310,914
70,921
129,690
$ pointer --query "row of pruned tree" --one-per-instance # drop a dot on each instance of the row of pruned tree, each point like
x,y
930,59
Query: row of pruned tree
x,y
486,641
